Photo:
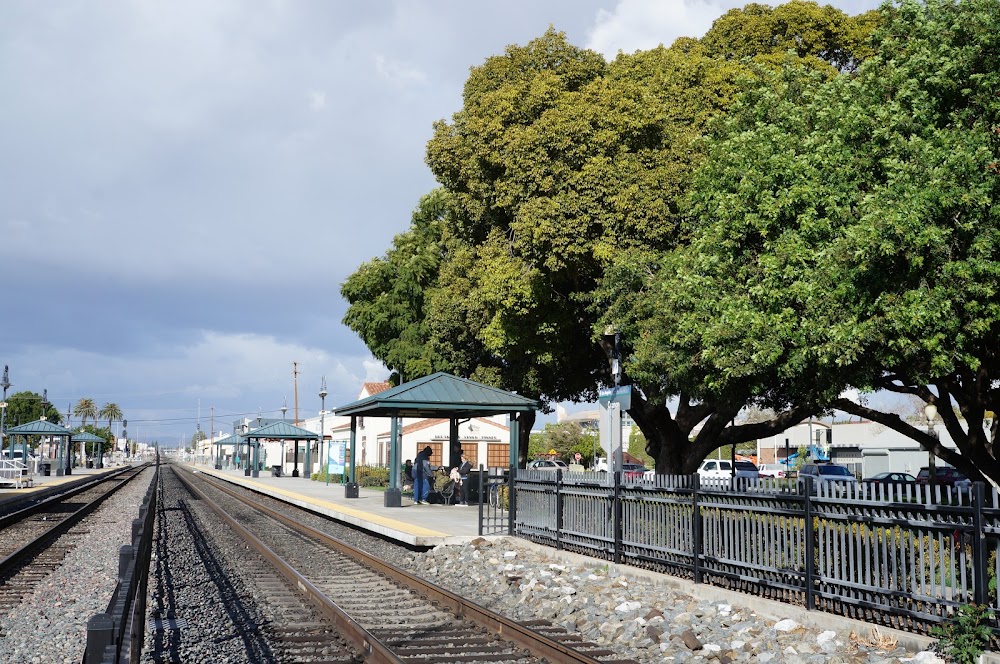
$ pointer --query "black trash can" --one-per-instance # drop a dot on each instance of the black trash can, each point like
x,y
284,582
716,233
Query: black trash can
x,y
473,481
45,469
275,471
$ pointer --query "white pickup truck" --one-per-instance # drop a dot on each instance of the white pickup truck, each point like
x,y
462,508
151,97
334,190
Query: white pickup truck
x,y
722,469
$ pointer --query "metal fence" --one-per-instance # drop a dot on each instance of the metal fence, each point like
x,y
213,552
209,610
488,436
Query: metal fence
x,y
900,556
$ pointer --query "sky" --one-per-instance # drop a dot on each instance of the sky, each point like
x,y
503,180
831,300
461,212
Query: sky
x,y
185,185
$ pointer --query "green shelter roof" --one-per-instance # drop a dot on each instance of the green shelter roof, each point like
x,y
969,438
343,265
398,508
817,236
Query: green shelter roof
x,y
39,427
230,440
86,437
283,431
440,395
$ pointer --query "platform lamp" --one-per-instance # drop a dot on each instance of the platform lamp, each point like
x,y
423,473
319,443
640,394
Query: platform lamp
x,y
930,412
125,436
284,409
322,429
5,384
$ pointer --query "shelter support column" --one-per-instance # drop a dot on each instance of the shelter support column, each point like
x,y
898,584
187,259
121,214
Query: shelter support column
x,y
351,487
256,458
394,493
308,463
60,468
454,457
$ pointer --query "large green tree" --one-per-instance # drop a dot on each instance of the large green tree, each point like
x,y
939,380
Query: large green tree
x,y
846,234
26,406
568,177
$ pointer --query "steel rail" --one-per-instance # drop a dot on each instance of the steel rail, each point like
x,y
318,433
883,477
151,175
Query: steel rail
x,y
14,517
28,550
377,652
537,644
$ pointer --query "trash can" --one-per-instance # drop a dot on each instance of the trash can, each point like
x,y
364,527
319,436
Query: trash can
x,y
45,469
275,471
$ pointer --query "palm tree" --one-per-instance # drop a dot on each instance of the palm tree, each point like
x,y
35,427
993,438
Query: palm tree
x,y
85,408
110,412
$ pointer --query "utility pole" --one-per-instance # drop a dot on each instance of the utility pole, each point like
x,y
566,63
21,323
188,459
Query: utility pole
x,y
295,380
211,428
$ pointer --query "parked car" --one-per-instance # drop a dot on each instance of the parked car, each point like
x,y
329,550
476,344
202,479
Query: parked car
x,y
723,469
943,476
891,478
894,483
772,470
548,464
634,471
830,474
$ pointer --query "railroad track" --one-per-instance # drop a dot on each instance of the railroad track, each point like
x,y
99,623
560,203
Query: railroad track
x,y
35,539
388,614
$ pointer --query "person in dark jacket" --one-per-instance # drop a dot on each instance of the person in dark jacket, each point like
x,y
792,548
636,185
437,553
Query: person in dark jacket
x,y
422,476
463,470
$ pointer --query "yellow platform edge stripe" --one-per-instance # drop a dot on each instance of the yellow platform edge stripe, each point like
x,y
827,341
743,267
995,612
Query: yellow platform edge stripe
x,y
402,526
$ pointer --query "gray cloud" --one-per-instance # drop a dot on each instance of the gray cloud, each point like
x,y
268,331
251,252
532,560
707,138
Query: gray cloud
x,y
186,184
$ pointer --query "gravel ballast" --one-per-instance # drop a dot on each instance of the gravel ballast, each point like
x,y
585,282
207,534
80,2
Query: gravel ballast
x,y
51,624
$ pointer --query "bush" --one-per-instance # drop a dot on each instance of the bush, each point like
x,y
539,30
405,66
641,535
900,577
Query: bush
x,y
966,635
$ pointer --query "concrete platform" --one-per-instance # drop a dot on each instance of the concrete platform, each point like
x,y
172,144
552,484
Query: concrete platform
x,y
414,525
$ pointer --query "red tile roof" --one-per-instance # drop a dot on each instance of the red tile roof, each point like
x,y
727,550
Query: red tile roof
x,y
375,388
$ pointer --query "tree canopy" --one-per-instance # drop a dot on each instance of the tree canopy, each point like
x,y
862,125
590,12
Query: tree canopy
x,y
844,233
778,211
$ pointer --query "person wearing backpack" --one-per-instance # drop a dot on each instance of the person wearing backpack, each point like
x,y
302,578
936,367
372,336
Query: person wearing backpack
x,y
421,476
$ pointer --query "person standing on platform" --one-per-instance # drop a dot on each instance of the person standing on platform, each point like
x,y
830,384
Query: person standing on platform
x,y
408,474
422,476
463,470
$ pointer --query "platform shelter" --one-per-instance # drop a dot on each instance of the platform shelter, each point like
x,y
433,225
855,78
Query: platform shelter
x,y
439,395
87,437
279,431
51,430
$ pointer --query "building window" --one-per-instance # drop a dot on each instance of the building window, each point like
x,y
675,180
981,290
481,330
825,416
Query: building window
x,y
498,455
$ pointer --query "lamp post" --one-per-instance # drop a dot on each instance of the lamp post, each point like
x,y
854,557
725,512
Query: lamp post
x,y
322,422
930,412
5,384
125,434
284,409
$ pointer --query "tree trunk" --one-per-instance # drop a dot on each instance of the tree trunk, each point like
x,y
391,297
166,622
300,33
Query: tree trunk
x,y
525,422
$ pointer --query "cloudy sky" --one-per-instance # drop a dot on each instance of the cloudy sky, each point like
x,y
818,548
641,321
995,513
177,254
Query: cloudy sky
x,y
185,184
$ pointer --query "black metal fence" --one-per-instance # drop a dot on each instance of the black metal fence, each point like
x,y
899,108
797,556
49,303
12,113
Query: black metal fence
x,y
117,634
900,556
490,490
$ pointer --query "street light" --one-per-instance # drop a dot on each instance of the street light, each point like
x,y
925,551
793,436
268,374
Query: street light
x,y
125,436
5,384
930,412
322,430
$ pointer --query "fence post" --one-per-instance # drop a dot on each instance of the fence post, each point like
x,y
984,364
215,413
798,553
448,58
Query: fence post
x,y
100,635
559,508
511,503
810,544
482,477
696,527
617,519
980,575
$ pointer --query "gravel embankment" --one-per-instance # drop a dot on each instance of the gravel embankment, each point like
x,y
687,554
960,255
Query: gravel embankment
x,y
51,625
636,613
